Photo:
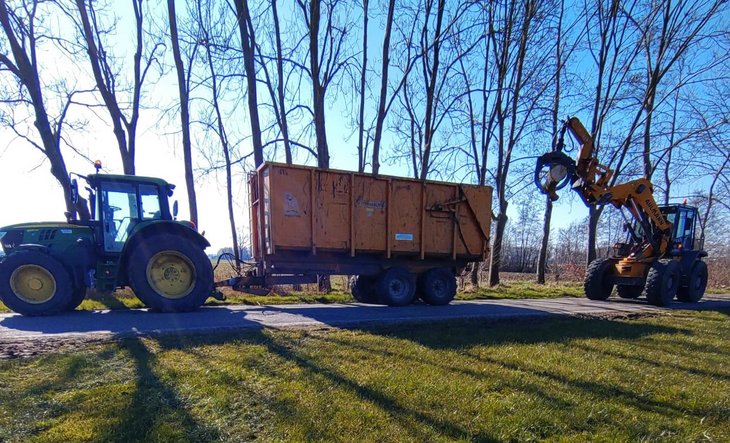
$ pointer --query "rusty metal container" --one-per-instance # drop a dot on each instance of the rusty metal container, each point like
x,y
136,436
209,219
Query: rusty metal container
x,y
308,221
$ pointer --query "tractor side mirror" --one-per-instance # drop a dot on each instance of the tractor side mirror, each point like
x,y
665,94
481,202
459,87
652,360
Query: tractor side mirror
x,y
174,209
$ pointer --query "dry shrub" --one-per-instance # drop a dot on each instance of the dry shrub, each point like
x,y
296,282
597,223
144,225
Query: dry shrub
x,y
718,269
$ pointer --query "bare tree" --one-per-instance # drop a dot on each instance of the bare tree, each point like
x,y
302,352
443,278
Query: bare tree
x,y
385,65
24,34
108,81
248,43
183,86
361,148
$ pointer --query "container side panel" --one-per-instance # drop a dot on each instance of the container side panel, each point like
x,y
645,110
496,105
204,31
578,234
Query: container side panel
x,y
439,225
332,210
475,216
406,215
290,207
369,213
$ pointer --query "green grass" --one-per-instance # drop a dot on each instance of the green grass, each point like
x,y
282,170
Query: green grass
x,y
663,378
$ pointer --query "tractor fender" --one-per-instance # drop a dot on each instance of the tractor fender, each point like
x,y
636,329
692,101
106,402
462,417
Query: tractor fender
x,y
153,228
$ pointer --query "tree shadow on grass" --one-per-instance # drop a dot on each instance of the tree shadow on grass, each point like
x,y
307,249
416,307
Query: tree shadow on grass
x,y
155,411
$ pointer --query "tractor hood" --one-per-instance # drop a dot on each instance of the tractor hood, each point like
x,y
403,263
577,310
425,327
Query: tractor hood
x,y
39,233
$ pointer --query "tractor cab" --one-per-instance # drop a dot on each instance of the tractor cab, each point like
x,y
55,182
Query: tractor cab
x,y
120,203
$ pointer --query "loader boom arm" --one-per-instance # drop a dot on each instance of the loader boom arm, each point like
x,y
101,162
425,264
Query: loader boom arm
x,y
592,181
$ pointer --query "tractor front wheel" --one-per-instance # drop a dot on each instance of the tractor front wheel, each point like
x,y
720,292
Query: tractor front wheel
x,y
169,273
34,283
598,284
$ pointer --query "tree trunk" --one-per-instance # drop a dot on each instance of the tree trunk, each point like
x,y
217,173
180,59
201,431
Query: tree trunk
x,y
280,85
361,130
380,119
320,129
184,113
545,244
431,92
496,258
248,43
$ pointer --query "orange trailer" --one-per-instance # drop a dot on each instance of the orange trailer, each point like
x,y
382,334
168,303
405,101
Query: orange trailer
x,y
399,237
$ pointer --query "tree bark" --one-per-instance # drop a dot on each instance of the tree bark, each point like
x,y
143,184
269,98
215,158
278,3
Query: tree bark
x,y
182,86
380,118
361,123
248,43
320,128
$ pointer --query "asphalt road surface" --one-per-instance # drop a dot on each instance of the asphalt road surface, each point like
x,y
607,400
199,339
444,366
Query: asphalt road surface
x,y
15,328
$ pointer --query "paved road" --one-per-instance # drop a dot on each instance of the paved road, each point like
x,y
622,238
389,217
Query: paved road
x,y
101,324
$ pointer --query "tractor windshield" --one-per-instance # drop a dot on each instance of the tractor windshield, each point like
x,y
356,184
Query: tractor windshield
x,y
118,208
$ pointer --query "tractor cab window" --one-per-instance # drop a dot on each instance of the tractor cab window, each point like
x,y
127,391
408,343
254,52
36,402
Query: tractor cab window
x,y
683,225
149,197
117,212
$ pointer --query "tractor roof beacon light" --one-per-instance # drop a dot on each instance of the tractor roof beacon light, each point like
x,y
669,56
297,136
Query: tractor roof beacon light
x,y
97,165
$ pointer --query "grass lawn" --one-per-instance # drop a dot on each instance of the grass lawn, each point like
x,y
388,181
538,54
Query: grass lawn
x,y
651,378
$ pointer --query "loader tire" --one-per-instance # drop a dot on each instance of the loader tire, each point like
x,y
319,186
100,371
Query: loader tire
x,y
395,287
362,288
437,286
629,292
662,282
33,283
597,284
169,273
696,284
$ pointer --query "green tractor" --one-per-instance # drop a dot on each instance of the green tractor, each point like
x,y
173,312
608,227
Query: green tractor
x,y
129,237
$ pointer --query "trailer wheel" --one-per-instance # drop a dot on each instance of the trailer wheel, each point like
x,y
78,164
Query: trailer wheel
x,y
396,287
629,292
362,288
696,285
597,284
662,282
437,286
33,283
170,273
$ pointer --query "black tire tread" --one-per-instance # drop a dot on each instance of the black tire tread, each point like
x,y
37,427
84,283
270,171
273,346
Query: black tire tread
x,y
56,304
594,285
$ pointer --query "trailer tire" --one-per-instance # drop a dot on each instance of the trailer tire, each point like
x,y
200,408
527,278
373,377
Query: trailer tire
x,y
696,285
437,286
170,273
629,292
33,283
662,282
396,287
362,288
597,284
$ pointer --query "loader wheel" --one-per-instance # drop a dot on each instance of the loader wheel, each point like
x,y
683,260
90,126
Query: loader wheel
x,y
597,284
696,285
437,286
629,292
169,273
395,287
662,282
34,283
362,288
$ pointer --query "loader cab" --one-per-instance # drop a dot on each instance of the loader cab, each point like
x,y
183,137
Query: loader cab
x,y
684,223
122,202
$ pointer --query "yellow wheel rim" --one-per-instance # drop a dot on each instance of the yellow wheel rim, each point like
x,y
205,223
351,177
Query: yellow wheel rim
x,y
33,284
171,274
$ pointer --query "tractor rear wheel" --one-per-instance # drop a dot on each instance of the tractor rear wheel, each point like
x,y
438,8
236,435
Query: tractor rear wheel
x,y
34,283
362,288
696,285
629,292
437,286
396,287
598,284
662,282
170,273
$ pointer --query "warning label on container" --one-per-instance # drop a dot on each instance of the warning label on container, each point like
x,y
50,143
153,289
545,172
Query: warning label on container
x,y
291,206
404,236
